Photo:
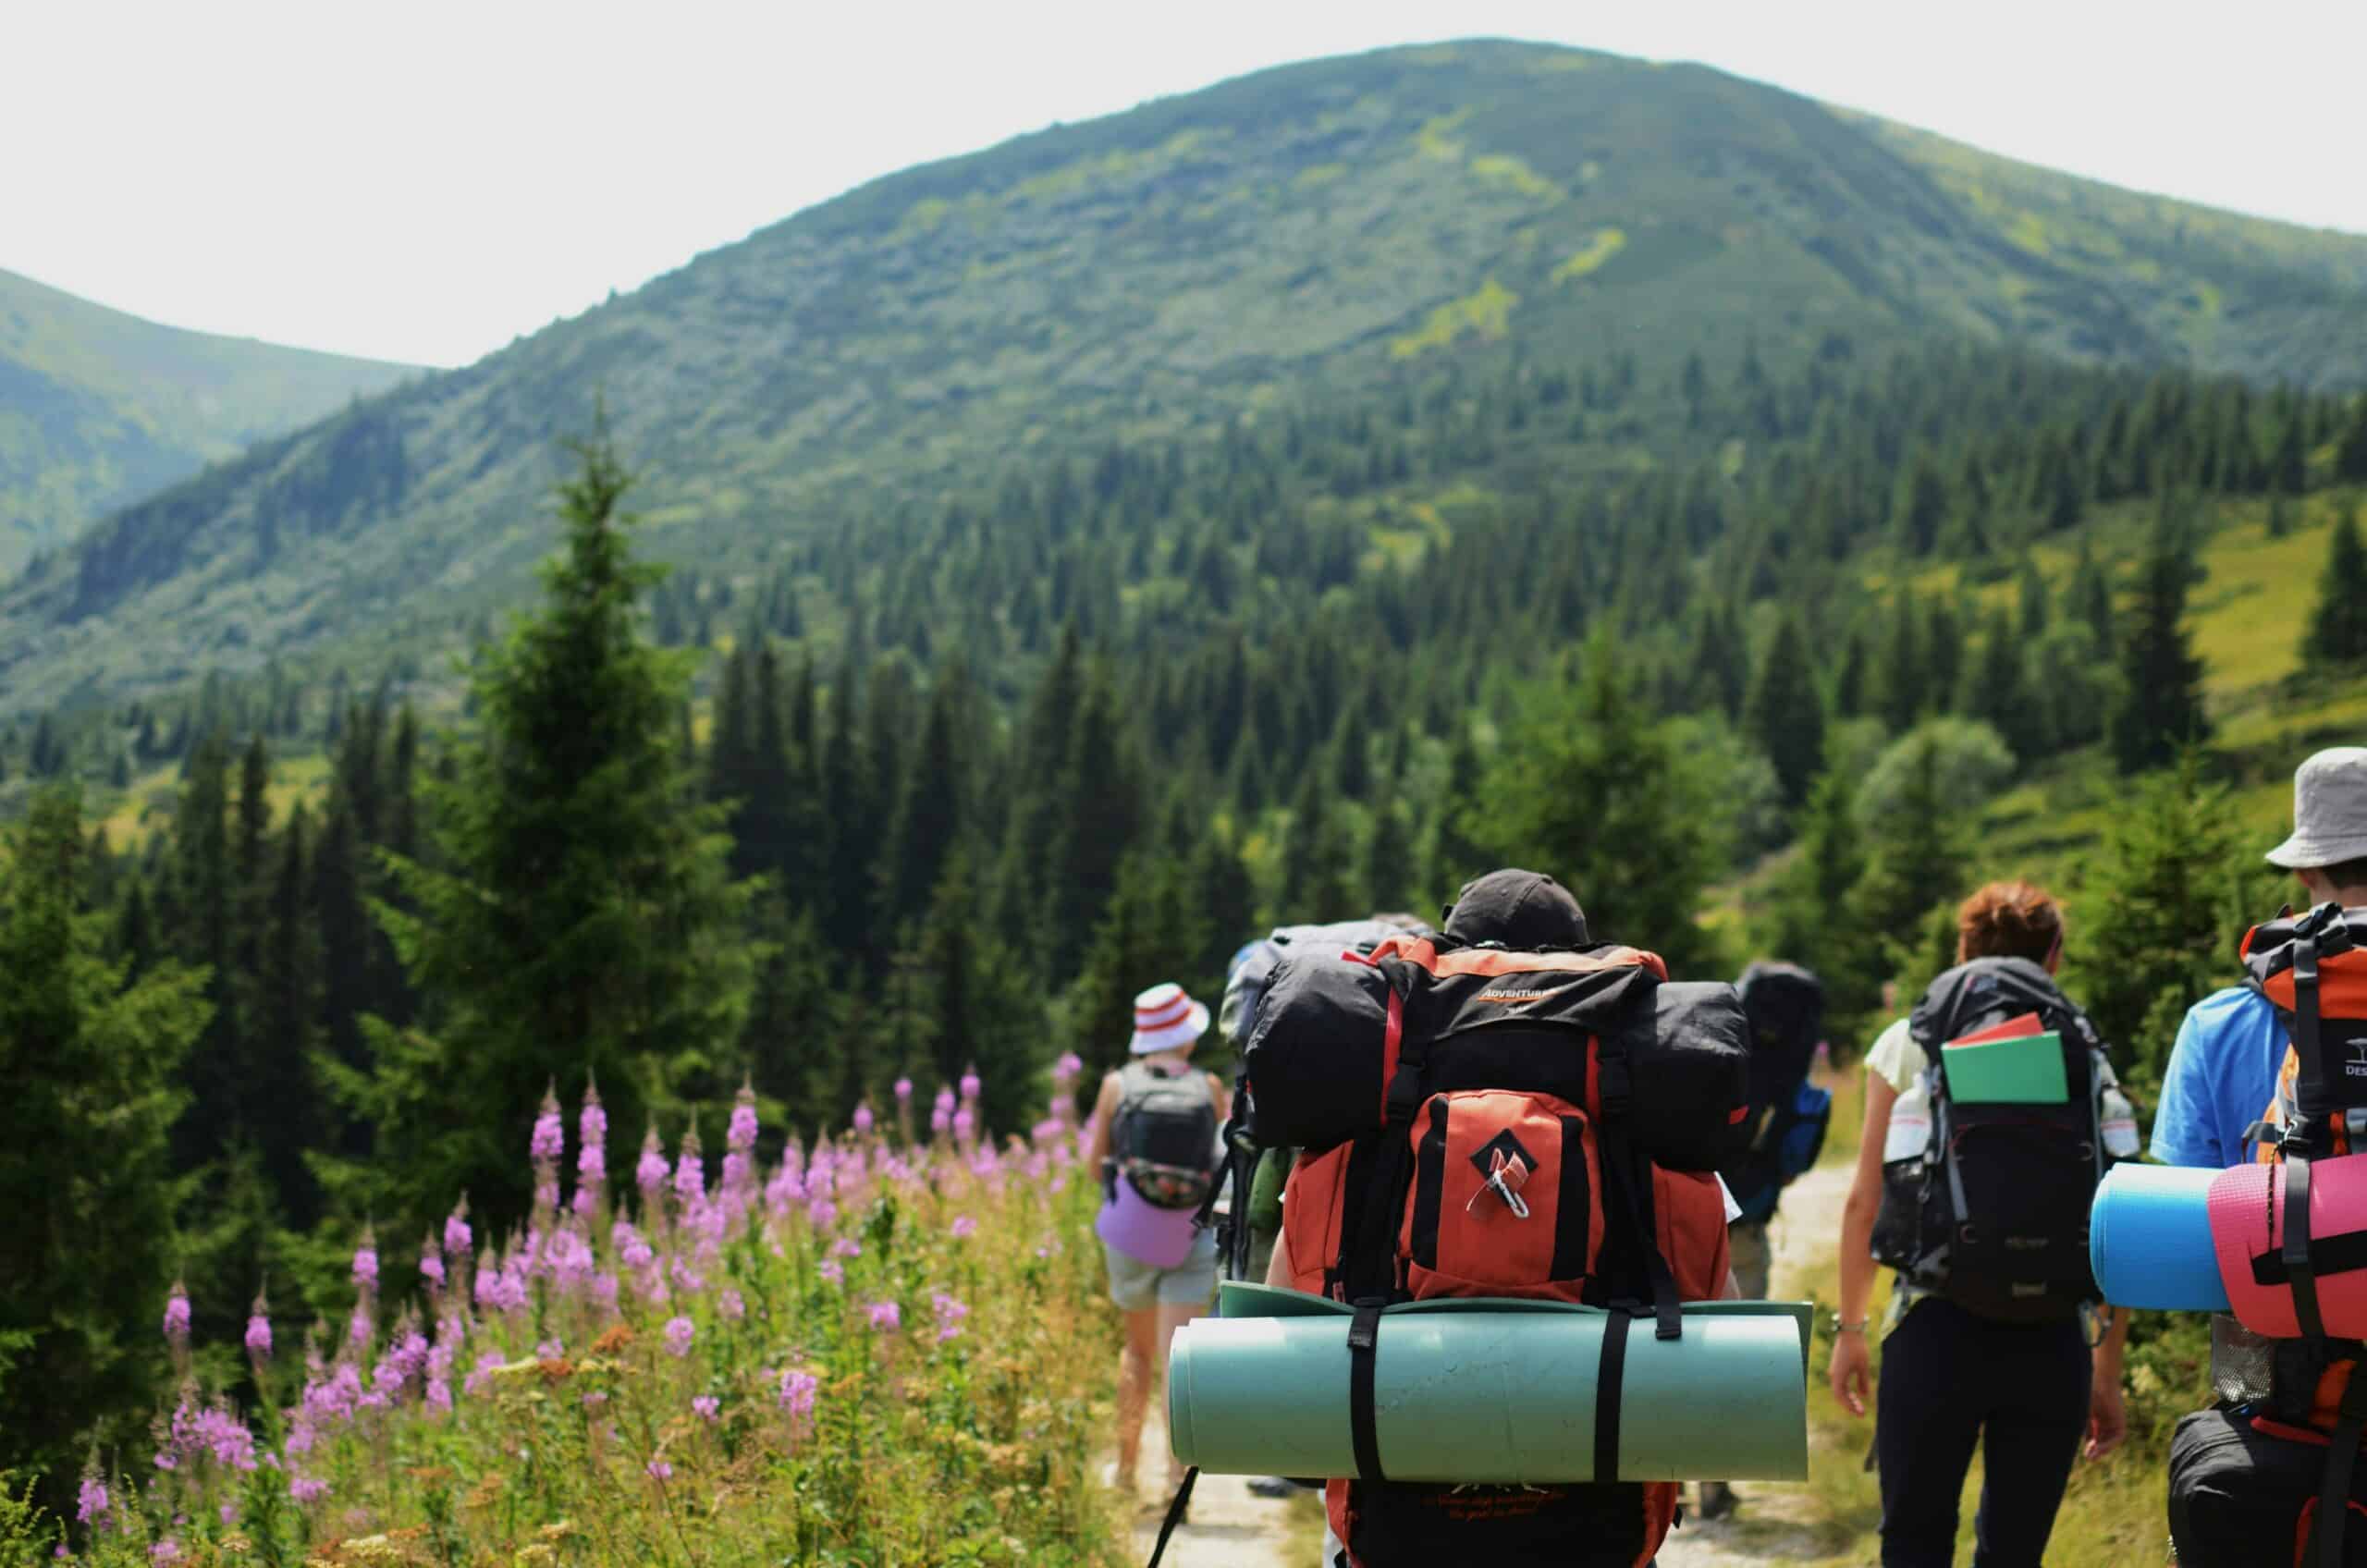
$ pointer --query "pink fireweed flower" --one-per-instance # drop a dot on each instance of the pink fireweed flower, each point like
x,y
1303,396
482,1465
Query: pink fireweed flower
x,y
1046,1131
886,1317
950,1312
846,1246
431,1262
862,1119
798,1391
482,1373
941,1121
742,1133
965,1227
165,1551
604,1290
227,1513
679,1333
970,1085
822,1213
689,1171
306,1488
592,1124
359,1328
92,1505
457,1239
832,1271
708,1407
903,1089
660,1472
259,1330
944,1101
177,1316
548,1140
1069,1066
365,1264
649,1171
965,1124
733,1305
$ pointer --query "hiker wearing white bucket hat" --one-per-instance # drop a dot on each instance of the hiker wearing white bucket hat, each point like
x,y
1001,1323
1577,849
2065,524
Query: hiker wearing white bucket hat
x,y
1153,1139
2222,1072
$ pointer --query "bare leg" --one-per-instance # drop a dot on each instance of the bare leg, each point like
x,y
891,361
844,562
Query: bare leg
x,y
1144,1344
1170,1320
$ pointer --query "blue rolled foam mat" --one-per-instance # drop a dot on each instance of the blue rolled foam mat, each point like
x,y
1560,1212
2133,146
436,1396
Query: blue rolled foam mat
x,y
2148,1239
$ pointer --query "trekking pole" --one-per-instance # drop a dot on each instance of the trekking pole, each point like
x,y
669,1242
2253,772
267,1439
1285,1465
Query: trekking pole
x,y
1174,1514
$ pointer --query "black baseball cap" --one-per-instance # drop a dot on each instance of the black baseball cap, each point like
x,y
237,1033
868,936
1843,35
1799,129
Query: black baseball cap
x,y
1517,909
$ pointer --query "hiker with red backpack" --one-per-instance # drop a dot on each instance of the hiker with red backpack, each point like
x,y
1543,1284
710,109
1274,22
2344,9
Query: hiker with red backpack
x,y
2273,1068
1990,1116
1544,1120
1153,1136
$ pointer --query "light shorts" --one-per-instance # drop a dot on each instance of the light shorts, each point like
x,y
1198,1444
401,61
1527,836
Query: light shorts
x,y
1137,1286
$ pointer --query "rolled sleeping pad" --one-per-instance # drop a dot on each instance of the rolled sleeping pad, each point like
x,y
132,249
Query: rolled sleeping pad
x,y
2148,1239
2247,1212
1495,1391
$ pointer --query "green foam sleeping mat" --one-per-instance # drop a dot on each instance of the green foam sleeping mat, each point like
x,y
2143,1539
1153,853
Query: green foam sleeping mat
x,y
1490,1391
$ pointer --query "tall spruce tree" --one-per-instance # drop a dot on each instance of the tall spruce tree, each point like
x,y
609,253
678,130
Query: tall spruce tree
x,y
1809,920
2161,702
90,1056
577,918
1784,713
1919,854
2338,626
2351,448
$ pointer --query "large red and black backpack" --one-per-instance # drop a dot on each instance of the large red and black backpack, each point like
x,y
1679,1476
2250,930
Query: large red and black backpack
x,y
2277,1479
1485,1122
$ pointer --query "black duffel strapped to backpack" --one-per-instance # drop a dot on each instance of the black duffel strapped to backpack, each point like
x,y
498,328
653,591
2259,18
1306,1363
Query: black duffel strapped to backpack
x,y
1324,1046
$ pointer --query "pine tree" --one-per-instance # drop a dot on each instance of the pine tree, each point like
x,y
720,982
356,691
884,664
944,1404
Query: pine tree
x,y
206,895
1903,691
928,820
796,1018
1997,693
576,919
1809,919
1589,788
985,1010
2338,626
90,1056
1785,714
283,1103
1917,859
2160,706
2037,601
2350,451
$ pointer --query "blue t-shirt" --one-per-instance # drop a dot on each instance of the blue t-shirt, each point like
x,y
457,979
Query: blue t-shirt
x,y
2221,1077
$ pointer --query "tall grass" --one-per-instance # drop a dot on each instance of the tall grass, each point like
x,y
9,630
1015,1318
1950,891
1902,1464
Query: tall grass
x,y
877,1352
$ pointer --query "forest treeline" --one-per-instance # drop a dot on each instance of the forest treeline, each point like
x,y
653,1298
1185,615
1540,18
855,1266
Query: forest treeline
x,y
944,790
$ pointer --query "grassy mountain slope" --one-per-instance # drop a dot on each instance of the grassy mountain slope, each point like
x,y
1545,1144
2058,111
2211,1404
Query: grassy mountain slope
x,y
98,408
1354,222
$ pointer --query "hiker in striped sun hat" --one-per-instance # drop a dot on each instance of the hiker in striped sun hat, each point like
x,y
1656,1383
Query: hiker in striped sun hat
x,y
1165,1018
1153,1138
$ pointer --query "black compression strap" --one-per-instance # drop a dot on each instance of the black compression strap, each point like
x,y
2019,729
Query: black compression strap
x,y
2294,1251
2341,1254
1364,1341
1607,1380
2342,1455
1175,1512
2311,1094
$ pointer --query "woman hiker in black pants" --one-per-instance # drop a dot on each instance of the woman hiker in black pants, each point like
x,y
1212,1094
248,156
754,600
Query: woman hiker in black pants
x,y
2027,1392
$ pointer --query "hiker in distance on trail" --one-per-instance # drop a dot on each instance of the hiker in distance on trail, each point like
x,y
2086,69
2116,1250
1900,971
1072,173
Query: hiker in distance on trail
x,y
1990,1116
1153,1138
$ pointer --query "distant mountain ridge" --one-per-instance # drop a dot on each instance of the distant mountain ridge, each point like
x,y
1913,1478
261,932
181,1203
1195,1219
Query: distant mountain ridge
x,y
1353,223
99,408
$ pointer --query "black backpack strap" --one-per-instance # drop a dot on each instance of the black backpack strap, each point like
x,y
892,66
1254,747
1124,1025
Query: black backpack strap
x,y
2342,1456
1364,1341
1609,1377
2294,1250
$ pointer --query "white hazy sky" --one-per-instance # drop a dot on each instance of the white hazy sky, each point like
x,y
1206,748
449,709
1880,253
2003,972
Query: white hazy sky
x,y
424,180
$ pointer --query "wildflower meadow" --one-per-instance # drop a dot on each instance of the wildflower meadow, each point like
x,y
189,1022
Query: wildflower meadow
x,y
883,1349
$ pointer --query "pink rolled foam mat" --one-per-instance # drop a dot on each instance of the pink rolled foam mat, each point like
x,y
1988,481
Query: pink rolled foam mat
x,y
2246,1206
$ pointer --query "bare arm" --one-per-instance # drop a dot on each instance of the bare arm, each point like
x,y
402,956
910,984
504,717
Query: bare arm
x,y
1851,1371
1105,1106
